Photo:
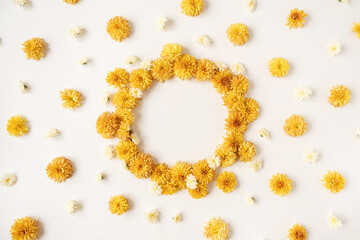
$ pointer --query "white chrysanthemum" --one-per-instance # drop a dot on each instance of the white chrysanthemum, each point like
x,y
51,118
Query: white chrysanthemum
x,y
23,87
152,216
52,132
124,165
221,65
214,161
358,133
21,3
105,98
249,200
136,92
155,189
203,40
238,69
130,60
135,138
146,64
161,23
302,93
310,156
264,133
109,152
71,206
250,5
333,48
333,221
75,31
191,182
99,177
256,164
177,217
83,61
8,179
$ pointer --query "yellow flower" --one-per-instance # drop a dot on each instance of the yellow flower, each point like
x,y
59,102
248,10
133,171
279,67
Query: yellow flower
x,y
333,181
123,100
171,52
238,34
161,174
247,151
226,182
280,184
205,70
222,81
118,205
251,109
226,154
356,29
232,140
296,18
179,172
169,188
71,1
185,67
339,96
236,122
71,98
108,124
26,228
118,28
126,150
202,171
191,8
162,70
278,67
141,165
295,126
118,78
216,229
141,79
59,169
34,48
17,126
199,192
297,232
152,216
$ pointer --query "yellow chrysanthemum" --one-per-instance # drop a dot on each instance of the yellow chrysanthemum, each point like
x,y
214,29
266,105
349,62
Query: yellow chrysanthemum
x,y
108,124
251,109
356,29
141,79
118,205
295,126
236,122
278,67
141,165
17,126
234,101
199,192
216,229
71,1
296,18
26,228
162,70
205,70
185,67
59,169
126,150
191,8
34,48
280,184
222,81
226,182
70,98
202,172
232,140
339,96
179,172
333,181
239,84
297,232
161,173
118,28
226,154
171,52
238,34
247,151
118,78
123,100
169,188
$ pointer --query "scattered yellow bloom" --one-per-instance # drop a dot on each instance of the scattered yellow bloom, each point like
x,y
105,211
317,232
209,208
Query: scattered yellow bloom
x,y
311,156
216,229
108,124
333,181
297,232
118,205
226,182
17,126
34,48
185,67
296,18
152,216
339,96
238,34
26,228
295,126
191,8
118,28
302,93
356,29
71,1
280,185
59,169
177,218
246,151
70,98
250,5
171,51
278,67
118,78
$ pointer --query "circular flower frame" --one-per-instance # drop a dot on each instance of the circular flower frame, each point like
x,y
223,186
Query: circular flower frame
x,y
174,63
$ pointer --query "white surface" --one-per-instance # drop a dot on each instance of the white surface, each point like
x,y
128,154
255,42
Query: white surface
x,y
192,120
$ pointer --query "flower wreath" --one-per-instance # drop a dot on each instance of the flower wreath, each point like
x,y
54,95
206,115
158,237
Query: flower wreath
x,y
182,175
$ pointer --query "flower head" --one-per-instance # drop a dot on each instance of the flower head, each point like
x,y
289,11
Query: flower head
x,y
238,69
179,173
356,29
130,60
296,18
222,81
141,79
83,61
161,23
205,70
118,78
108,124
118,205
171,52
177,217
23,87
226,182
333,181
311,156
302,93
162,70
250,5
280,184
339,96
34,48
185,67
8,179
297,232
333,48
249,200
191,8
295,126
238,34
75,31
199,192
226,155
59,169
109,151
203,172
221,66
264,133
126,150
152,216
216,229
203,40
278,67
161,173
26,228
256,164
72,206
191,182
71,1
52,132
247,151
214,162
333,221
17,126
70,98
155,189
21,3
141,165
118,28
100,176
146,64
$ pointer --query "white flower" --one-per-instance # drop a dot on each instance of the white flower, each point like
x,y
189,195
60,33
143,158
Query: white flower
x,y
344,1
23,87
221,65
264,133
249,200
203,40
135,138
124,164
21,3
105,98
177,217
146,64
191,182
71,206
310,156
152,216
333,48
238,69
83,61
256,164
358,133
52,132
161,23
8,179
213,161
99,177
75,31
155,189
250,5
109,152
136,92
302,93
130,60
333,221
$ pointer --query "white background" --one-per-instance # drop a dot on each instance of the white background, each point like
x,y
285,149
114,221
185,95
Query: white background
x,y
179,120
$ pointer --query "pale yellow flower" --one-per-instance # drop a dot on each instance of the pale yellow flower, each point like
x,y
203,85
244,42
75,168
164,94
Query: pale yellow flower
x,y
333,221
177,218
238,69
191,182
75,31
99,177
23,87
52,132
203,40
311,156
8,179
333,48
72,206
249,200
109,152
130,60
105,98
264,133
302,93
256,164
152,216
155,189
161,23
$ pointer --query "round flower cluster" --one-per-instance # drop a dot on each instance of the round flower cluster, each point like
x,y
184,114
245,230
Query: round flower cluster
x,y
193,177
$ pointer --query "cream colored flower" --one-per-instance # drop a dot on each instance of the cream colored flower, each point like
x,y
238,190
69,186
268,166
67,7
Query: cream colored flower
x,y
333,221
203,40
256,164
8,179
105,98
109,152
264,133
238,69
250,5
135,138
214,161
23,87
75,31
302,93
333,48
124,164
130,60
155,189
21,3
72,206
52,132
161,23
99,177
146,64
136,92
191,182
310,156
249,200
358,133
177,218
83,61
344,1
221,65
153,216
